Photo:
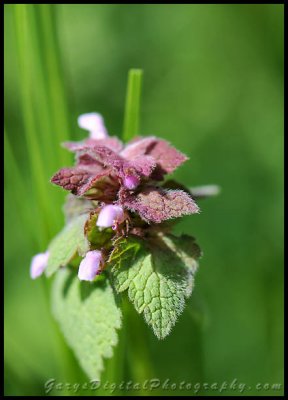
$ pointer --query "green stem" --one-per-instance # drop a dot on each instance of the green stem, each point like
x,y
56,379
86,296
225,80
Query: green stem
x,y
132,107
131,356
135,338
138,355
115,367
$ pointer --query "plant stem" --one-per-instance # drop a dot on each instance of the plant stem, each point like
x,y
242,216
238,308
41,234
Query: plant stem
x,y
135,338
132,107
138,355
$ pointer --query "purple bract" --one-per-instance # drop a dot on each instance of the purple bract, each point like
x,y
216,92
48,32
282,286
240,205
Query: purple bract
x,y
129,176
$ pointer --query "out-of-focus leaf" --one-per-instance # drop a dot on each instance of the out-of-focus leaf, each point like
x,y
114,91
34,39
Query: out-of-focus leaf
x,y
88,316
67,243
75,206
189,252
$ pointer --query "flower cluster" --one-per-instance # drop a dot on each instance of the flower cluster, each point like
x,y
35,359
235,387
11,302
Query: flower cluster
x,y
126,181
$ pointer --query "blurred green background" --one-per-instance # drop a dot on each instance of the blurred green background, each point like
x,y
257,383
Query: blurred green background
x,y
213,86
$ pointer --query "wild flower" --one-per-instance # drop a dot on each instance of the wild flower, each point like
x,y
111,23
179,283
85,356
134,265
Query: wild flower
x,y
124,184
38,264
120,212
130,176
90,266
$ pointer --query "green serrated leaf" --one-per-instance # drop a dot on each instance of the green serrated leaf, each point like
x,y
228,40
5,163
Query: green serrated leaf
x,y
66,244
88,316
189,252
158,276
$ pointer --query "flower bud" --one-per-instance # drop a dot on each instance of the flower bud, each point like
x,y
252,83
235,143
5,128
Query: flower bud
x,y
90,266
109,215
94,123
131,182
38,264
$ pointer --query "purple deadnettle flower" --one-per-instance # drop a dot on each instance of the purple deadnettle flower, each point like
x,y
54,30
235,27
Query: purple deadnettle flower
x,y
130,174
110,215
94,123
124,187
38,264
90,266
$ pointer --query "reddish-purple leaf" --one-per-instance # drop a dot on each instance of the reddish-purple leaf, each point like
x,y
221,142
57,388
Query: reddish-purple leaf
x,y
138,147
81,181
144,165
102,154
140,166
165,155
113,143
85,160
156,204
71,178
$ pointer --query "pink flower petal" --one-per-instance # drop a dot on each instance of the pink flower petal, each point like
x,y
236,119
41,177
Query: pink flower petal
x,y
131,182
94,123
109,215
90,266
38,264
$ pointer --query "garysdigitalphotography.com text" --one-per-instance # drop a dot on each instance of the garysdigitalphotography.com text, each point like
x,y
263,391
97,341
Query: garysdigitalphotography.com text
x,y
153,384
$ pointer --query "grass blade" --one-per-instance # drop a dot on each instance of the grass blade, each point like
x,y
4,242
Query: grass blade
x,y
44,105
46,16
132,106
21,12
